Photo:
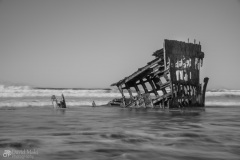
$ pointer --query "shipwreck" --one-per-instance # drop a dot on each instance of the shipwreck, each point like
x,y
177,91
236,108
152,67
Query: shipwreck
x,y
171,80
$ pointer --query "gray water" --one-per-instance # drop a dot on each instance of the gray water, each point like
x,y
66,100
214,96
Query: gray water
x,y
103,133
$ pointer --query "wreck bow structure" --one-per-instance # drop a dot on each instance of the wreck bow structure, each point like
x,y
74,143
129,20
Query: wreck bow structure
x,y
171,80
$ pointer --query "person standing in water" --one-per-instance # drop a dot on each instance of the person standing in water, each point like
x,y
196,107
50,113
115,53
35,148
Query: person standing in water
x,y
93,104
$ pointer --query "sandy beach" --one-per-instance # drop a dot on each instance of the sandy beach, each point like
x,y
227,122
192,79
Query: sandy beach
x,y
115,133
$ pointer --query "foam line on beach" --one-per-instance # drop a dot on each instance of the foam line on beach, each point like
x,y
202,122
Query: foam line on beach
x,y
45,104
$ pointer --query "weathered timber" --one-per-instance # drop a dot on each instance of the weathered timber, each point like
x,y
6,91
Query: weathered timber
x,y
173,78
204,90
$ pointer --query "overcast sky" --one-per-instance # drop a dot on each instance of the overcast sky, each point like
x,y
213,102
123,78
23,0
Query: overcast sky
x,y
94,43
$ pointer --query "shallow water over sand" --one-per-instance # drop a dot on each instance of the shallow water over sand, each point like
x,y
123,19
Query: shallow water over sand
x,y
103,133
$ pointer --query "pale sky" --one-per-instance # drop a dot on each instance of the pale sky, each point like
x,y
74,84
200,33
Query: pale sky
x,y
94,43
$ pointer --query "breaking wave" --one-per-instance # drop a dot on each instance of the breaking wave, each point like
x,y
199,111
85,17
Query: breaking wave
x,y
27,91
23,96
48,103
223,93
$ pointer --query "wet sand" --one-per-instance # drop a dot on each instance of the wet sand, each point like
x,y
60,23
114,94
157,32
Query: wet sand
x,y
103,133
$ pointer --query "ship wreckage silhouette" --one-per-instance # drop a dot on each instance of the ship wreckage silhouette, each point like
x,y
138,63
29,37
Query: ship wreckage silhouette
x,y
171,80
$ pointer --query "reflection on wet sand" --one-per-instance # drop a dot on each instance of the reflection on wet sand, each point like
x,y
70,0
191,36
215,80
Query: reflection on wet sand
x,y
116,133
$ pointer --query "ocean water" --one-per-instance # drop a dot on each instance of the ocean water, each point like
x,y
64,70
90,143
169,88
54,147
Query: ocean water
x,y
31,129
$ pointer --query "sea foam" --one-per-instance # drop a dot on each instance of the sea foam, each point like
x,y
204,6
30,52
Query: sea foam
x,y
22,96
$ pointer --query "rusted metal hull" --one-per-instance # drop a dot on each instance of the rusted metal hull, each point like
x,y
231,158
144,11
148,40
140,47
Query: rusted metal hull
x,y
171,80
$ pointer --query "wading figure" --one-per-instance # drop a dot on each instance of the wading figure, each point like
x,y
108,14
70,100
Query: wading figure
x,y
61,104
94,104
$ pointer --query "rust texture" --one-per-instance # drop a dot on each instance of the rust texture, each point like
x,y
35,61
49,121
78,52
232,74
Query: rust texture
x,y
171,80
